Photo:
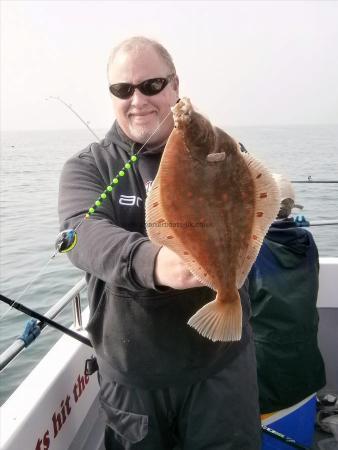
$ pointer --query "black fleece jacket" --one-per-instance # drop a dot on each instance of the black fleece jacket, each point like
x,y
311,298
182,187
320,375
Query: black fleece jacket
x,y
139,331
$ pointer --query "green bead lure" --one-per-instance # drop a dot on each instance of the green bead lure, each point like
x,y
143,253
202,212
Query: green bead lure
x,y
111,186
67,239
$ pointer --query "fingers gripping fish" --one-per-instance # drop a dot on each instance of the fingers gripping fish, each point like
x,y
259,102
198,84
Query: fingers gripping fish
x,y
212,205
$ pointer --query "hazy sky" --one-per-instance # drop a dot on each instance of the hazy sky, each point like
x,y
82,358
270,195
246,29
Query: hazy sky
x,y
241,63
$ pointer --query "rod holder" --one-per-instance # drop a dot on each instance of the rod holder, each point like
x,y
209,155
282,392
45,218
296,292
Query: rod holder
x,y
77,313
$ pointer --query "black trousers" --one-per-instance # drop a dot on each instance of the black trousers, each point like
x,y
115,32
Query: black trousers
x,y
219,413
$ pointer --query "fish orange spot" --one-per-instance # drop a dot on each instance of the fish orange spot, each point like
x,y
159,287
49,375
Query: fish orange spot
x,y
160,220
259,214
185,253
254,237
263,195
225,197
259,175
244,195
170,236
190,194
155,204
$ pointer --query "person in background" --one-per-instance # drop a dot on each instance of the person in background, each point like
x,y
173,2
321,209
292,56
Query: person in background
x,y
283,288
162,384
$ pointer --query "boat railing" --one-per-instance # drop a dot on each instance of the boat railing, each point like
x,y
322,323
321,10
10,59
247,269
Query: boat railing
x,y
73,295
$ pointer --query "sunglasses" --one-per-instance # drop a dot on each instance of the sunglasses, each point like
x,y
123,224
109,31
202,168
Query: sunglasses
x,y
149,87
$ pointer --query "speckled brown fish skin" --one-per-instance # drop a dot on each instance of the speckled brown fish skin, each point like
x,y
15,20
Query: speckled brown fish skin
x,y
206,189
210,193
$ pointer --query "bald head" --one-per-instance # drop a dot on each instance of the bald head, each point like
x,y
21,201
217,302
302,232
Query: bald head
x,y
138,44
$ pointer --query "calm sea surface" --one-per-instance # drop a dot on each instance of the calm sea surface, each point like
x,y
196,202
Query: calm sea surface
x,y
31,162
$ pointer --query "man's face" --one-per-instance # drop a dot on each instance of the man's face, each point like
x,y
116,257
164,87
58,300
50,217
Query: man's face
x,y
140,115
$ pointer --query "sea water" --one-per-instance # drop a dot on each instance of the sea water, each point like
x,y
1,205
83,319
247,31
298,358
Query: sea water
x,y
31,162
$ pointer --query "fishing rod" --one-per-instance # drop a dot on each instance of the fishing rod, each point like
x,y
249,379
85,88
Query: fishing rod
x,y
67,239
311,180
43,319
281,437
315,181
74,112
318,223
301,221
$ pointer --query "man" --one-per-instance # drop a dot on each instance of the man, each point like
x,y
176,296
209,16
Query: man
x,y
283,287
162,384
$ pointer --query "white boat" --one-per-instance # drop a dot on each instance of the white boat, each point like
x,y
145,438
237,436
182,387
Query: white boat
x,y
56,407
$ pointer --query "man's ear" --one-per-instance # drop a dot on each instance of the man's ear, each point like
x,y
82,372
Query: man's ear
x,y
176,83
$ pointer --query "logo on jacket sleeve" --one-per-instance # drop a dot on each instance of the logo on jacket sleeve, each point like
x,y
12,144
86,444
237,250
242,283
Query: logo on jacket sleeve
x,y
130,200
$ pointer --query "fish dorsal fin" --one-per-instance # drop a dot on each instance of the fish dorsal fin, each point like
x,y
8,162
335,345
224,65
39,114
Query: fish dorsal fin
x,y
267,204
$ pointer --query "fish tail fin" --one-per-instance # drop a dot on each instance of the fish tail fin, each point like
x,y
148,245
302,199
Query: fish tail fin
x,y
219,320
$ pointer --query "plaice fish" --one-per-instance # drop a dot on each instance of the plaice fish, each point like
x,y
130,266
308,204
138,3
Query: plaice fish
x,y
212,205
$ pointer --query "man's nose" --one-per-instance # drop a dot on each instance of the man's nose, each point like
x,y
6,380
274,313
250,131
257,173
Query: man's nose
x,y
138,99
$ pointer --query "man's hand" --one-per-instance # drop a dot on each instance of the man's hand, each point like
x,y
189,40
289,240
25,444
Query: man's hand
x,y
171,271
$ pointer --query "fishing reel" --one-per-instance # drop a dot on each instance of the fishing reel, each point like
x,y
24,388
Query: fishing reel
x,y
301,221
66,241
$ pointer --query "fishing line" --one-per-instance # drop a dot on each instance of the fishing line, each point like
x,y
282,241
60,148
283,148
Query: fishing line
x,y
27,287
104,195
127,166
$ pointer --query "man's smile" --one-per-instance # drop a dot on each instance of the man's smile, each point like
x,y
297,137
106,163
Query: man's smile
x,y
142,116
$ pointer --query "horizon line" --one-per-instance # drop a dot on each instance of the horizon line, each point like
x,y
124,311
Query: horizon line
x,y
228,125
